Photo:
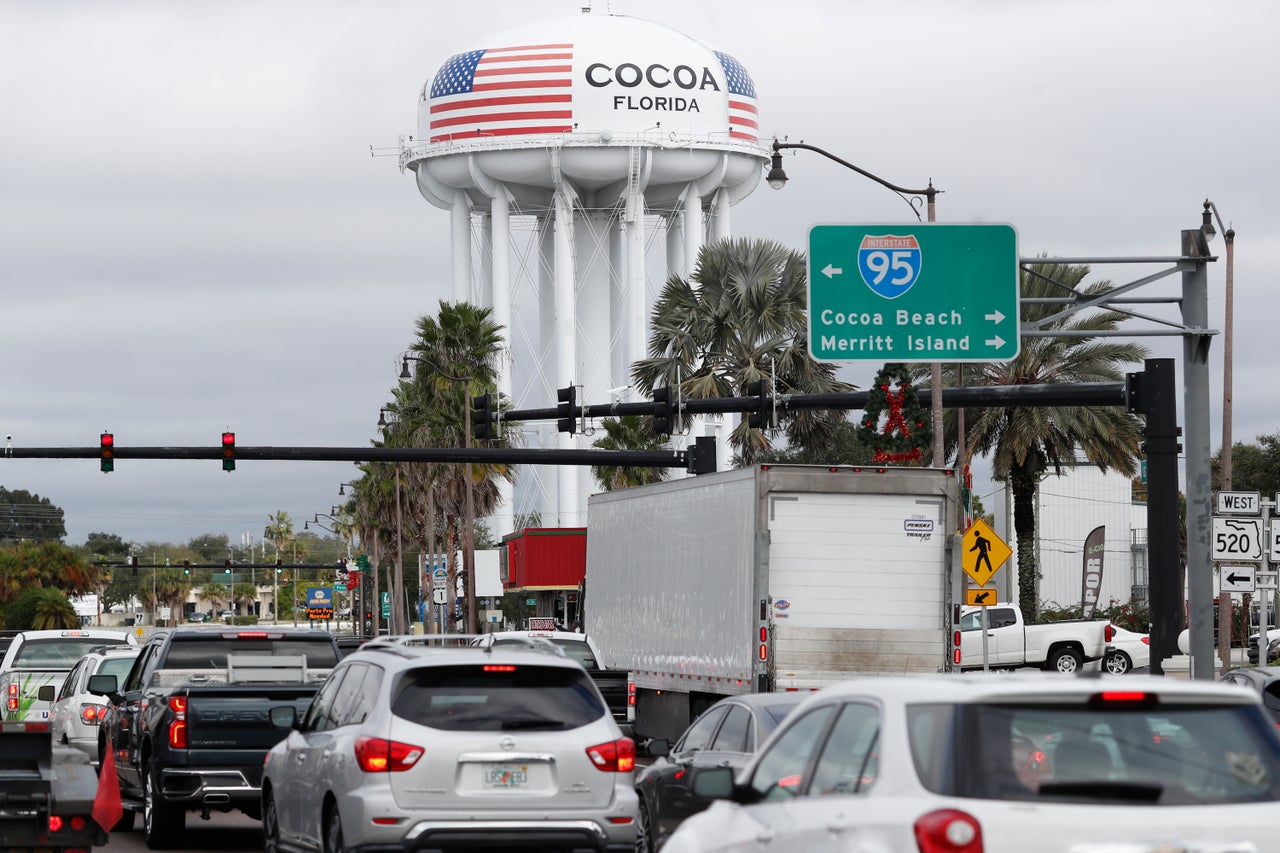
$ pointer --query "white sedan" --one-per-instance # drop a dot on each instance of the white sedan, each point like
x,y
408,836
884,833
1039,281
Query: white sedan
x,y
1130,651
1003,764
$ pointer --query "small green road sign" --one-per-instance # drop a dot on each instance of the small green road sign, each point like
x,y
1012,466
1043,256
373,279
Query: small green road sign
x,y
386,604
923,292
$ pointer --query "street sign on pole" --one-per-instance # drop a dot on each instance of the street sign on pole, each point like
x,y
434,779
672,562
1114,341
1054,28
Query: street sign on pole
x,y
1237,578
1239,503
1236,538
983,552
913,292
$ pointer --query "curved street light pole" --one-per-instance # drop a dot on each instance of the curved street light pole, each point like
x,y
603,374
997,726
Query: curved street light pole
x,y
777,178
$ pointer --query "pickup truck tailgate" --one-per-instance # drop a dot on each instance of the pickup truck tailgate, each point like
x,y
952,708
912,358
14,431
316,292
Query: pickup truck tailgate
x,y
230,726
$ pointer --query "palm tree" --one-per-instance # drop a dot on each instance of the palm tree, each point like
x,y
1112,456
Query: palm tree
x,y
217,593
279,531
629,432
458,352
741,317
1026,442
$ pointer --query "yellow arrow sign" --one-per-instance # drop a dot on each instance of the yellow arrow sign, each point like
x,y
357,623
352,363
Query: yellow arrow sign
x,y
979,597
982,552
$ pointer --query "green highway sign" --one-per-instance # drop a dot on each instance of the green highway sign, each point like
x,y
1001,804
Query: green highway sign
x,y
921,292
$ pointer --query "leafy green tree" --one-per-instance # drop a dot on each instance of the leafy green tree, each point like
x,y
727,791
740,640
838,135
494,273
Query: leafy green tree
x,y
211,547
26,516
279,532
741,317
105,548
244,595
844,447
1254,467
1027,442
40,609
629,432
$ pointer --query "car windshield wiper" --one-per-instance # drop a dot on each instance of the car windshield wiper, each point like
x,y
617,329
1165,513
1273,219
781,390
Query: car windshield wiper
x,y
1103,790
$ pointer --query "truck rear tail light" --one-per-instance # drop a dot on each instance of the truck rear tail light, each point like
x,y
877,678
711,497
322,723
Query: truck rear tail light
x,y
616,756
379,755
1108,633
178,728
91,714
763,651
13,695
948,831
631,693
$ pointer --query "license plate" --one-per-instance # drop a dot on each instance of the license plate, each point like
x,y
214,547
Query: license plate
x,y
506,776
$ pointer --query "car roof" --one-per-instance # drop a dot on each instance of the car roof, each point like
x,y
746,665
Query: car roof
x,y
531,632
1043,686
446,649
766,700
45,633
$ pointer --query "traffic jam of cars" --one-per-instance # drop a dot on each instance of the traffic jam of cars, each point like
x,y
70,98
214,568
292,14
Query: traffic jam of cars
x,y
505,742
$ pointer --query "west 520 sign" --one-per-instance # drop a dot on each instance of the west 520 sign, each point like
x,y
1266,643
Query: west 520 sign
x,y
924,292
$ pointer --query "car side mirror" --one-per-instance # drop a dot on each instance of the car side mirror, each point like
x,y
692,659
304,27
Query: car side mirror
x,y
659,747
713,783
47,693
105,685
284,716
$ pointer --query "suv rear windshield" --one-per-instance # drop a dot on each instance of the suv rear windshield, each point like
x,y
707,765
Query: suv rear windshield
x,y
1139,752
497,697
211,652
573,649
59,652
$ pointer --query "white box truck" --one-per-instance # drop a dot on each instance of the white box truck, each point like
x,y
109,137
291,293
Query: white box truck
x,y
775,577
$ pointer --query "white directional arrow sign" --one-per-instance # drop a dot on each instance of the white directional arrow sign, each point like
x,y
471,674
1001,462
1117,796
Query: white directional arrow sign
x,y
995,316
830,270
1237,578
995,342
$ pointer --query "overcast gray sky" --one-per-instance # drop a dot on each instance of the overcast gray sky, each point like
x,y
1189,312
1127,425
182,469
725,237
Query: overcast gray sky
x,y
194,235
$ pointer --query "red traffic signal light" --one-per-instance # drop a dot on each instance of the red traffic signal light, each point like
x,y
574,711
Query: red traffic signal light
x,y
107,452
228,451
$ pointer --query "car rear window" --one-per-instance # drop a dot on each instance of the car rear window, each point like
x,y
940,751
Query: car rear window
x,y
117,666
497,697
59,652
577,650
211,652
1139,751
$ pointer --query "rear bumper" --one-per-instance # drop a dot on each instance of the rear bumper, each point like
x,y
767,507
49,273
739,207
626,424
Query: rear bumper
x,y
581,835
219,788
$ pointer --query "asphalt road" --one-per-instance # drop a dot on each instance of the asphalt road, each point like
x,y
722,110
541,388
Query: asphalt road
x,y
221,833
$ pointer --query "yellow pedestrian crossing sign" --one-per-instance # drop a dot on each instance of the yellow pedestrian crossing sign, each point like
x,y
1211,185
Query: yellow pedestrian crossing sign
x,y
982,552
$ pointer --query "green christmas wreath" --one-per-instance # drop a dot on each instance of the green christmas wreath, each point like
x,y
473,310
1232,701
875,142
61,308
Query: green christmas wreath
x,y
906,429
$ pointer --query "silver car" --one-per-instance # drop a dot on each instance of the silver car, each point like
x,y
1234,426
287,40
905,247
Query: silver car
x,y
76,713
430,743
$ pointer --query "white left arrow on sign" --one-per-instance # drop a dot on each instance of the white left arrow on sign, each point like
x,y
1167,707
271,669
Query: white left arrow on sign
x,y
830,270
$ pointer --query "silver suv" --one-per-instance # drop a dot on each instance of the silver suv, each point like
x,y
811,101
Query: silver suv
x,y
428,742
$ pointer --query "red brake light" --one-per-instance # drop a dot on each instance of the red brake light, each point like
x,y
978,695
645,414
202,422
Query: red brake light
x,y
948,831
616,756
1108,632
251,635
178,734
1123,697
1146,641
379,755
90,714
55,823
498,667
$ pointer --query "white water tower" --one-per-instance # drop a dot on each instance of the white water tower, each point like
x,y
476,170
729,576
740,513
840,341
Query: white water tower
x,y
582,160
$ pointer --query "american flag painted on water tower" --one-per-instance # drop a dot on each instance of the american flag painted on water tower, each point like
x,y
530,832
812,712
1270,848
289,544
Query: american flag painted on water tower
x,y
528,89
503,91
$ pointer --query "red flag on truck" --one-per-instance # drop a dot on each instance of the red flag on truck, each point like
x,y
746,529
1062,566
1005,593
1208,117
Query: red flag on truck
x,y
107,807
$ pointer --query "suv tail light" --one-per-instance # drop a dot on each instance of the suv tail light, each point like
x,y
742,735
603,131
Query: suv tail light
x,y
91,714
948,831
379,755
616,756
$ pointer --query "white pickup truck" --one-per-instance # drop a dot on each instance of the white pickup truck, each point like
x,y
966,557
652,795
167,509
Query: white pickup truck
x,y
1055,646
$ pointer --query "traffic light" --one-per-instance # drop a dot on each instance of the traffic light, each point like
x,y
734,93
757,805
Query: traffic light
x,y
662,410
107,450
133,562
228,451
757,417
186,567
481,417
226,567
566,408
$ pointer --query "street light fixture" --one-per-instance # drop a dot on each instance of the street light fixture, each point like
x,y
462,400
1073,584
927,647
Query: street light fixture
x,y
342,488
469,509
777,178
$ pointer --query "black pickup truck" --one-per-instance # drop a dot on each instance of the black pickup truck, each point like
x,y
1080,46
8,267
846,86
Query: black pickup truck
x,y
190,728
614,684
